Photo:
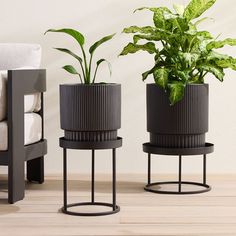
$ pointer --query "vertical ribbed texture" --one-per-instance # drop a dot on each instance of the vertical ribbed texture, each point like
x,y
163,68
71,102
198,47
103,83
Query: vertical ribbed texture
x,y
92,136
186,122
178,140
89,108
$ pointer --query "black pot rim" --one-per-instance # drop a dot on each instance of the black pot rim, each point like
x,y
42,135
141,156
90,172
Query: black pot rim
x,y
204,84
90,85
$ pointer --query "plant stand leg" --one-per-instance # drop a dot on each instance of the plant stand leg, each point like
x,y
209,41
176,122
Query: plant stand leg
x,y
93,176
65,179
114,178
204,169
149,168
35,170
180,174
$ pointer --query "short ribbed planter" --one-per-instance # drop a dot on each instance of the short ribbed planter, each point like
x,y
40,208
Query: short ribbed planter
x,y
90,112
183,125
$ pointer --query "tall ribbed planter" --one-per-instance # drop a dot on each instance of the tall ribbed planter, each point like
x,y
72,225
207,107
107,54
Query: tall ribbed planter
x,y
183,125
90,112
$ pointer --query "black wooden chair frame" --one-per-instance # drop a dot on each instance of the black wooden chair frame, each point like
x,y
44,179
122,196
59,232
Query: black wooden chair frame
x,y
21,83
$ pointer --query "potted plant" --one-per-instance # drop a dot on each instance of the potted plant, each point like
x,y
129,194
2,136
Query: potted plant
x,y
89,111
183,56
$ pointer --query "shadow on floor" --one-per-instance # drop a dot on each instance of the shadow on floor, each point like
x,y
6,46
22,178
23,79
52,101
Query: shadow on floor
x,y
79,185
84,185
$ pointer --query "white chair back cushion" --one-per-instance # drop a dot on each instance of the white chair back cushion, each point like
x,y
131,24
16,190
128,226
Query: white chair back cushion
x,y
16,55
3,97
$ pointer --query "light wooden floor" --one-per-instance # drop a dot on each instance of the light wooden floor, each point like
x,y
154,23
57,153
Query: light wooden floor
x,y
142,213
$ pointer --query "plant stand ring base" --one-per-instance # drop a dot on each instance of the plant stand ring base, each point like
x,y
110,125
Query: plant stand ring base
x,y
180,152
66,144
104,213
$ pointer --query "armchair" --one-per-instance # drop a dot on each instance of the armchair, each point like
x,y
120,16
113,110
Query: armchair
x,y
21,116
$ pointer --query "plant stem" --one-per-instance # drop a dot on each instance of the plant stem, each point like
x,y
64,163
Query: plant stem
x,y
90,66
80,79
87,78
95,73
82,70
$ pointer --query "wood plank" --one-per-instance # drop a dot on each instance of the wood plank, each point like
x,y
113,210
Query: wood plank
x,y
142,213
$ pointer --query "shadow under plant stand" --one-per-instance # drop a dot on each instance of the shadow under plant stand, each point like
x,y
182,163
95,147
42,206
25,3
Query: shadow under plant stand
x,y
180,152
113,144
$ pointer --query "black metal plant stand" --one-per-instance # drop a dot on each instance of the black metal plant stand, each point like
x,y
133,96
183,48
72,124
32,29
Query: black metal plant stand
x,y
113,144
180,152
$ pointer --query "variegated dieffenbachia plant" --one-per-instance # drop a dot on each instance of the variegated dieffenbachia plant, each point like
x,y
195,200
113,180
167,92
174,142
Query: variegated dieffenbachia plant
x,y
183,55
86,75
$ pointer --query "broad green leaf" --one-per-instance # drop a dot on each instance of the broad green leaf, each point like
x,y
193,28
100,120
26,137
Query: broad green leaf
x,y
70,69
142,30
160,20
220,44
196,8
183,75
108,63
179,23
160,15
70,53
189,59
203,45
133,48
227,63
101,41
202,20
176,90
214,56
98,64
161,77
147,73
217,71
153,9
204,35
155,37
196,80
179,9
73,33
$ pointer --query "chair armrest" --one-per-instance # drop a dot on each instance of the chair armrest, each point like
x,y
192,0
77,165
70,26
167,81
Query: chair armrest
x,y
21,83
27,81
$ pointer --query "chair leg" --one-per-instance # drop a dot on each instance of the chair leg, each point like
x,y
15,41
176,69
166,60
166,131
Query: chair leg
x,y
35,170
16,181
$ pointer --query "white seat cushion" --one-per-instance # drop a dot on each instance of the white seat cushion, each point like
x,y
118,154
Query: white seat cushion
x,y
32,102
33,130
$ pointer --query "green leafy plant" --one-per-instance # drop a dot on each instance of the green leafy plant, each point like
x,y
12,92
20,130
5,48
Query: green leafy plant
x,y
182,53
86,75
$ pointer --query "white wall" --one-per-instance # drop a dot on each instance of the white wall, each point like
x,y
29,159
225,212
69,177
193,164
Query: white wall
x,y
27,20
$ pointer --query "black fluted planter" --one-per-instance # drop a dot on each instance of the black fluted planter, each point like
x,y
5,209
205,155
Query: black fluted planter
x,y
183,125
90,112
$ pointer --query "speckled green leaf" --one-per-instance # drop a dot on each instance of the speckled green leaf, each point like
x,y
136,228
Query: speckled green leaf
x,y
176,90
196,8
227,63
179,9
214,69
155,37
221,44
161,77
147,73
142,30
133,48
